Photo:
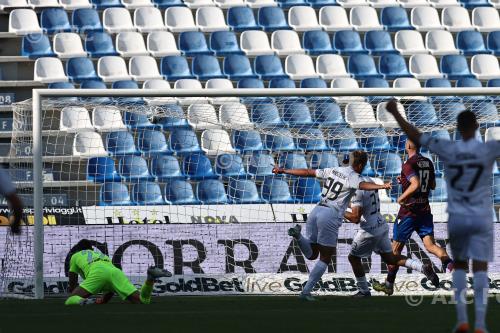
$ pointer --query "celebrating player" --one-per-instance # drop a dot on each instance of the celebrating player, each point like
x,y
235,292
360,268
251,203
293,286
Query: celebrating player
x,y
417,179
468,164
325,219
101,276
373,236
8,191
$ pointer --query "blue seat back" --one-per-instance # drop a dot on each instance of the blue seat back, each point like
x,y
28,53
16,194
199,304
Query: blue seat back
x,y
193,43
136,120
86,19
317,42
241,18
379,42
421,113
120,143
175,117
362,66
247,140
455,66
323,160
281,140
147,193
102,4
206,67
345,140
237,66
292,161
470,42
327,114
224,42
496,189
175,68
275,190
183,140
261,164
162,4
80,69
101,169
307,190
272,18
438,83
211,191
133,168
395,19
54,20
388,164
35,46
229,165
114,194
151,142
282,83
296,114
311,139
493,41
197,166
179,192
251,83
165,167
265,114
242,191
268,67
347,42
99,44
313,83
374,139
393,66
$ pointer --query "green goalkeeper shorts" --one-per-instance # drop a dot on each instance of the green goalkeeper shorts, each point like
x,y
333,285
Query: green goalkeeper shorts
x,y
104,277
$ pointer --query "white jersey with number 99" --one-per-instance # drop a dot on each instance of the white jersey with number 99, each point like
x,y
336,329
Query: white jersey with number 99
x,y
340,184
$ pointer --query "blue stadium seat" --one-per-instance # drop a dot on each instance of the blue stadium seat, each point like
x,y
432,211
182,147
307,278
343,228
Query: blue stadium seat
x,y
137,121
471,42
375,139
421,114
268,67
323,160
242,191
127,84
486,110
197,166
281,141
276,190
292,161
494,83
313,83
102,169
376,83
347,42
306,190
192,43
393,66
103,4
211,192
179,192
175,118
80,69
163,4
387,164
496,189
469,4
241,18
291,3
272,18
120,143
165,167
206,67
237,67
493,41
261,165
439,194
440,83
282,83
86,20
245,141
322,3
114,194
296,114
229,165
134,168
183,141
223,43
265,115
36,46
54,20
362,66
348,141
327,114
473,83
99,44
399,142
94,84
151,142
395,19
147,193
313,140
379,42
455,67
317,42
175,68
450,110
368,170
251,83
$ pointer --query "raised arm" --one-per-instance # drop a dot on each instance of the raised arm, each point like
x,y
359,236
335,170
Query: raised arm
x,y
295,172
411,131
367,186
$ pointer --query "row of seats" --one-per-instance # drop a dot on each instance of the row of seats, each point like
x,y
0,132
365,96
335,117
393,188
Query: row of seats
x,y
208,19
297,67
254,43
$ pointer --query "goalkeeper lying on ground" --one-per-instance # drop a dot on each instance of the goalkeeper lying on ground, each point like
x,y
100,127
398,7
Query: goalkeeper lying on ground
x,y
101,276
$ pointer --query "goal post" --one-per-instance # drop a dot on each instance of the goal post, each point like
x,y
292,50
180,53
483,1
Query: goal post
x,y
48,103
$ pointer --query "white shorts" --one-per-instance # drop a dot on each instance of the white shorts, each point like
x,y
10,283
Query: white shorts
x,y
471,237
323,225
364,243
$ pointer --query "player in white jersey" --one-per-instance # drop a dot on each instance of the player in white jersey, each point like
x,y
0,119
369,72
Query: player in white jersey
x,y
373,236
324,221
8,191
468,166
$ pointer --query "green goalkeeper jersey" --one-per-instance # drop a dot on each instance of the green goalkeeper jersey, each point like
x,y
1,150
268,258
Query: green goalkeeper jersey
x,y
80,262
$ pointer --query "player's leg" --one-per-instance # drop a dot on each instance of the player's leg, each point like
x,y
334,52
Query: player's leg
x,y
402,230
425,229
362,246
144,295
78,297
481,288
325,256
92,285
307,243
402,261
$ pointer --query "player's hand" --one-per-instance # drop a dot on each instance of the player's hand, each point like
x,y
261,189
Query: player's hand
x,y
278,170
398,178
387,186
392,107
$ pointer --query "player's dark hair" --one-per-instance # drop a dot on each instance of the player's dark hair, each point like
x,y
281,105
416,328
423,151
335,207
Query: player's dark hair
x,y
466,121
84,244
359,157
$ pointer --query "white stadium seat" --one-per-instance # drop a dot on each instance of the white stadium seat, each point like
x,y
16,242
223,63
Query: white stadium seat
x,y
486,19
88,144
485,66
162,44
75,4
221,84
216,141
202,116
48,70
191,84
130,43
331,66
385,118
260,3
161,85
117,20
365,19
8,4
346,83
107,119
229,3
333,18
179,19
255,42
234,115
43,3
440,42
285,42
112,68
132,4
68,45
495,3
198,3
443,3
425,19
147,19
492,134
143,68
303,18
300,66
424,66
456,19
23,21
408,83
360,115
409,42
75,119
352,3
211,19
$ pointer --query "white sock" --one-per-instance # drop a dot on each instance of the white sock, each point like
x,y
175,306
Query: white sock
x,y
362,284
305,246
481,286
316,273
460,285
414,264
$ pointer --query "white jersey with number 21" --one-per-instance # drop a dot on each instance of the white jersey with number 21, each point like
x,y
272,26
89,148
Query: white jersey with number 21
x,y
340,185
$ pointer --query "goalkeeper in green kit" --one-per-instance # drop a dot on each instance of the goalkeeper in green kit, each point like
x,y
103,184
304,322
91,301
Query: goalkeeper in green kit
x,y
101,276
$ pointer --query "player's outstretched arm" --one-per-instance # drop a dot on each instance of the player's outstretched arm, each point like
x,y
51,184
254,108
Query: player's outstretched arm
x,y
295,172
354,216
367,186
411,131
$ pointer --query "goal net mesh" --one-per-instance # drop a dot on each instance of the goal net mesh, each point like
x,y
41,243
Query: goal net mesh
x,y
186,183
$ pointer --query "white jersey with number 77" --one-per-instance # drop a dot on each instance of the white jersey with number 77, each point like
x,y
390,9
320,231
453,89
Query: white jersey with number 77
x,y
340,185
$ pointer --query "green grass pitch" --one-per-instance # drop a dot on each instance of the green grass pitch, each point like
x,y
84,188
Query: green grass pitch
x,y
236,314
